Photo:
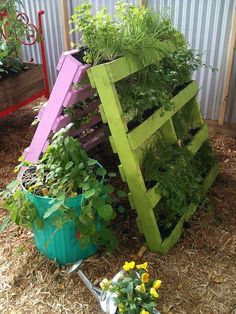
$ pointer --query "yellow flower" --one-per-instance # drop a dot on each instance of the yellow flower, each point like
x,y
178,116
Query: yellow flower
x,y
104,284
154,293
142,266
128,266
121,307
145,277
143,288
157,284
144,312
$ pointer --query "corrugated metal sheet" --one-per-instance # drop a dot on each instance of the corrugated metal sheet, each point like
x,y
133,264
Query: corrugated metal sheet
x,y
53,33
205,23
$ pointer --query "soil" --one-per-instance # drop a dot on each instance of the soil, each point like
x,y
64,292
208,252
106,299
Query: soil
x,y
80,54
198,274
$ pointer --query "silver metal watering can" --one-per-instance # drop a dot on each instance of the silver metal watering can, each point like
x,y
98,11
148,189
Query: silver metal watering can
x,y
107,301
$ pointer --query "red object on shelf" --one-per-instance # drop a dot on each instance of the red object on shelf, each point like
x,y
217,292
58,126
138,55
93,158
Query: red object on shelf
x,y
34,32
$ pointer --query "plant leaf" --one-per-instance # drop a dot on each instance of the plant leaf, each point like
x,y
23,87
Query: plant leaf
x,y
105,211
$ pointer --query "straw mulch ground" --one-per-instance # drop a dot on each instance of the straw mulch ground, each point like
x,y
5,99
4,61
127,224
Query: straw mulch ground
x,y
198,274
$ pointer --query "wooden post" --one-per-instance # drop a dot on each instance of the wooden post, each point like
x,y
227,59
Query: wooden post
x,y
232,43
65,24
143,3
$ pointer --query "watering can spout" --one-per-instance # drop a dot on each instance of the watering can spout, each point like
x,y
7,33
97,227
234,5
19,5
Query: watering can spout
x,y
96,292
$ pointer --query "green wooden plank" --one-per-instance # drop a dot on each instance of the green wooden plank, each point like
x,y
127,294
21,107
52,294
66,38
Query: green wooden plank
x,y
153,196
172,239
123,67
122,174
209,180
102,113
199,138
129,161
169,242
168,131
144,131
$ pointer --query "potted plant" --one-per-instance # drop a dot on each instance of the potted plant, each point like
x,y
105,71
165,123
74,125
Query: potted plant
x,y
131,291
19,80
66,199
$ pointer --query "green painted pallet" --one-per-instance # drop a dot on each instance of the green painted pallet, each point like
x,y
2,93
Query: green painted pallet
x,y
128,144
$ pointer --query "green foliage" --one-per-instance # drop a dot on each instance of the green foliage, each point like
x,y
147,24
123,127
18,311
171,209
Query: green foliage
x,y
65,171
134,291
132,32
179,175
153,87
14,28
21,210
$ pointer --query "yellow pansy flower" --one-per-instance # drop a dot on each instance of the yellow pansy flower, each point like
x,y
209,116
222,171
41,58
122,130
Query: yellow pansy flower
x,y
128,266
145,277
157,284
121,307
104,284
142,266
154,293
144,312
143,288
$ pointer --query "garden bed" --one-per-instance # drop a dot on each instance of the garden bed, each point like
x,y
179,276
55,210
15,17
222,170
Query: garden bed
x,y
15,89
198,274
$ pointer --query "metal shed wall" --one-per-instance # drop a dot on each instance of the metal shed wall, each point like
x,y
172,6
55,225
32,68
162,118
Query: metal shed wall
x,y
205,23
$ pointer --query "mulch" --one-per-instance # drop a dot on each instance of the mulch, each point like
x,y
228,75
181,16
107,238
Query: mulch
x,y
198,275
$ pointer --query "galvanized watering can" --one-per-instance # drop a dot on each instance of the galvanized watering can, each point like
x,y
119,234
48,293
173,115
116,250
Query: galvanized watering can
x,y
107,301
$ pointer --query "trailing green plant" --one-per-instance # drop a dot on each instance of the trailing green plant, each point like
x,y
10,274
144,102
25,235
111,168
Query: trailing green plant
x,y
65,171
154,86
133,31
21,210
179,175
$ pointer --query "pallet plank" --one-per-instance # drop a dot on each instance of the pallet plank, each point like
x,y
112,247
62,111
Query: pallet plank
x,y
143,132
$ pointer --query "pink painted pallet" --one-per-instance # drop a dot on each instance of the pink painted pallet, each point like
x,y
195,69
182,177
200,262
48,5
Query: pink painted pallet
x,y
65,94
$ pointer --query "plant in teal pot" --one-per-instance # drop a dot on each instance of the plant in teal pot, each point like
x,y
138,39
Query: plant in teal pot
x,y
67,200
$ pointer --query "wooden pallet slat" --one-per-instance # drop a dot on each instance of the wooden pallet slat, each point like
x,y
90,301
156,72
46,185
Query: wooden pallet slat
x,y
128,144
144,131
63,95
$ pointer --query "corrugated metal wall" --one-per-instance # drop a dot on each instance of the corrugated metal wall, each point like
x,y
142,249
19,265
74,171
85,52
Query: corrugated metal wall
x,y
205,23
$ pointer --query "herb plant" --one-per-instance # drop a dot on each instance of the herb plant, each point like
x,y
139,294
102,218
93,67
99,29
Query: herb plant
x,y
179,175
65,171
133,31
154,86
135,292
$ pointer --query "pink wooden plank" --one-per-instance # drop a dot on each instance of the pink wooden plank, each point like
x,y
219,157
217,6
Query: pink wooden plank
x,y
63,84
83,75
76,95
63,120
45,146
93,121
93,139
63,56
41,111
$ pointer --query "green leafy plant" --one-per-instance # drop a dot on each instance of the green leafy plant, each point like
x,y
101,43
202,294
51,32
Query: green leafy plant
x,y
154,86
133,31
66,171
12,31
134,291
179,175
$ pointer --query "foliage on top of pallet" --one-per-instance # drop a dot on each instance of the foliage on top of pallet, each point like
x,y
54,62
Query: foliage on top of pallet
x,y
125,66
132,32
